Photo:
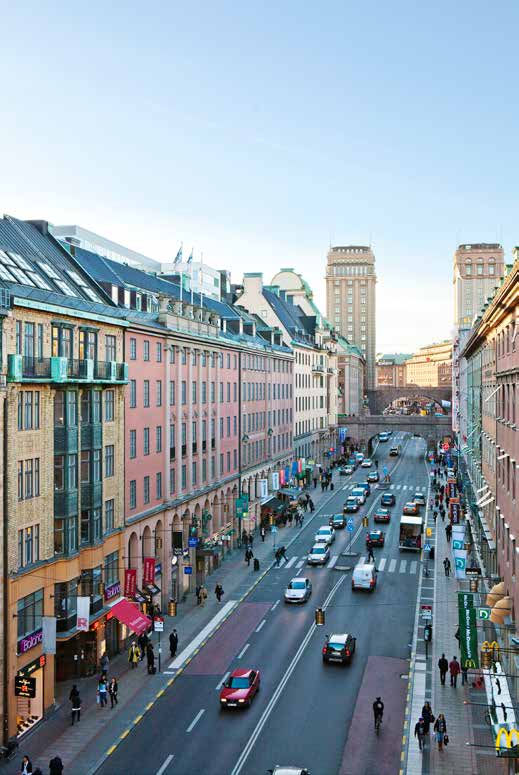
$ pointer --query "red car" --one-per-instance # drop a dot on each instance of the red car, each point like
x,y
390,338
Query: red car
x,y
240,689
382,515
376,537
411,509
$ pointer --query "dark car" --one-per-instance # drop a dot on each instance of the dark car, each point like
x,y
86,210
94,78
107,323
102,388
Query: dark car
x,y
339,648
372,476
240,689
351,505
377,537
382,515
337,521
387,499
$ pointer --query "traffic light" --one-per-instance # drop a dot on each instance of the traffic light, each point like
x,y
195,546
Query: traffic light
x,y
365,521
427,633
193,531
319,617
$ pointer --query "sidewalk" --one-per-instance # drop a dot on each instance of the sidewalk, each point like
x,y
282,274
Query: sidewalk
x,y
83,746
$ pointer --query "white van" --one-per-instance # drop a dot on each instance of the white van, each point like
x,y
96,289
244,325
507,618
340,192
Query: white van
x,y
364,577
360,494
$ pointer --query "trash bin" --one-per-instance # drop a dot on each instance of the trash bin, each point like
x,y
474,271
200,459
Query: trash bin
x,y
256,564
431,553
172,608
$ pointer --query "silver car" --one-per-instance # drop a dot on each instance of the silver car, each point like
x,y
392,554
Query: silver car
x,y
325,534
298,591
319,554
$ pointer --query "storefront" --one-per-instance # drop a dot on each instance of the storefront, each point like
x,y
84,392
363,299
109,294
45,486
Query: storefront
x,y
29,694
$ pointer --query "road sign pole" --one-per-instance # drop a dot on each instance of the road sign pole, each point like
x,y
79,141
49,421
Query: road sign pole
x,y
160,651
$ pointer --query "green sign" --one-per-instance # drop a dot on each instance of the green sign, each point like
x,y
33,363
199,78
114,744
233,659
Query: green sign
x,y
242,506
483,613
468,633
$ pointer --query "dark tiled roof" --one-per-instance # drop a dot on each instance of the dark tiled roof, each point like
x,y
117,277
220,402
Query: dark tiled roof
x,y
291,316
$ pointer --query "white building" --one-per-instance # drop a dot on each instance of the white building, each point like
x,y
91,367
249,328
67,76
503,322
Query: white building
x,y
89,240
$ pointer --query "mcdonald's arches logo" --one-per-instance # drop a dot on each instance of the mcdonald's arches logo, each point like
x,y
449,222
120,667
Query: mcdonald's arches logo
x,y
493,647
470,663
511,737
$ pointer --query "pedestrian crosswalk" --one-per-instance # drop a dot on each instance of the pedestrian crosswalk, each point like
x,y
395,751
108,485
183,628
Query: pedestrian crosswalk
x,y
384,564
411,488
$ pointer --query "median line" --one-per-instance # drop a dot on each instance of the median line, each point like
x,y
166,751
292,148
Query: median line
x,y
195,720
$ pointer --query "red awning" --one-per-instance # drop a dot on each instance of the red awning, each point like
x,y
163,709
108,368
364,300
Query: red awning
x,y
129,614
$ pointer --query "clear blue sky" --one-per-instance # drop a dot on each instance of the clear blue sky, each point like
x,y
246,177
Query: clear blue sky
x,y
260,132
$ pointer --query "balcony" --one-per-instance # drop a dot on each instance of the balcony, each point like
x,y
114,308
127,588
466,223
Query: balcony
x,y
62,370
318,368
92,436
65,440
65,503
91,495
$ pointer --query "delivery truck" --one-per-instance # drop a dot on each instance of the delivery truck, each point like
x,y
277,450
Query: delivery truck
x,y
411,529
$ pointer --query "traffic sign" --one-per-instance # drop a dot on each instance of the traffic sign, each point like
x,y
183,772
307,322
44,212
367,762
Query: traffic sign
x,y
426,611
349,527
188,570
273,529
483,613
350,521
428,532
427,547
158,624
192,542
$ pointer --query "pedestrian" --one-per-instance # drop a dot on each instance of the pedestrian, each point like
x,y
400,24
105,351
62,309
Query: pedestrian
x,y
197,589
331,484
277,555
150,658
218,591
142,640
290,518
105,664
369,546
203,592
447,566
26,768
173,643
322,485
419,732
102,691
315,482
55,766
251,540
283,553
75,699
428,716
440,728
263,532
244,537
443,666
134,655
454,670
435,515
113,688
442,514
465,675
248,556
311,504
448,532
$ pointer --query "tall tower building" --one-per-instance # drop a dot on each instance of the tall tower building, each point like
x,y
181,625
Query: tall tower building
x,y
350,300
478,268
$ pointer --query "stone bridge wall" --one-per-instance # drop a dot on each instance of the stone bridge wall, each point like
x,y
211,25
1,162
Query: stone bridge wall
x,y
362,429
380,398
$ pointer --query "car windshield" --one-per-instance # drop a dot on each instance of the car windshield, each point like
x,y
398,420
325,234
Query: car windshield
x,y
239,683
318,550
296,585
325,531
336,646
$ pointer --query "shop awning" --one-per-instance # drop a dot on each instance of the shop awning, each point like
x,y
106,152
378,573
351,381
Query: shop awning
x,y
129,614
291,492
274,504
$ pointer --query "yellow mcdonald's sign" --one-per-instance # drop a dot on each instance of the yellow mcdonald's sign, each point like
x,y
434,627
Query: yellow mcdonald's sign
x,y
511,738
470,663
493,647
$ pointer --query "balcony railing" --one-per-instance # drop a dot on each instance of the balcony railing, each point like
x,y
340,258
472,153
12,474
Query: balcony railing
x,y
61,369
77,369
318,368
35,367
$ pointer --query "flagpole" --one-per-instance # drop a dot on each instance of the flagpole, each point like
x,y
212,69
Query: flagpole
x,y
191,268
202,280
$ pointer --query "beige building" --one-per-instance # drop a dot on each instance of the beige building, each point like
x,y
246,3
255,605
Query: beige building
x,y
351,378
431,366
351,301
478,269
391,369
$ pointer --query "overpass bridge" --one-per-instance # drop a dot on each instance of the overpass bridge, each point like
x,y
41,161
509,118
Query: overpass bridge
x,y
364,428
380,398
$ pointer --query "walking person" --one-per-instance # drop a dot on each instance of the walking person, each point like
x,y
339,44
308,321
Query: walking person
x,y
173,643
75,699
454,670
102,690
134,655
55,766
105,664
197,589
263,532
369,546
283,553
315,482
251,540
142,640
428,717
26,768
443,666
203,592
248,556
113,688
218,591
150,658
419,732
311,504
465,675
447,566
448,532
440,727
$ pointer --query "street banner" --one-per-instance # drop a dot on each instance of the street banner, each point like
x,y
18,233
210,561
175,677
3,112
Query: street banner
x,y
130,582
454,510
469,656
287,473
465,600
343,432
148,574
264,488
83,613
295,468
460,563
300,466
275,481
282,477
48,625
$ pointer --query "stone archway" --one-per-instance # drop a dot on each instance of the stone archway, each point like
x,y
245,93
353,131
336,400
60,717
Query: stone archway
x,y
133,551
147,543
159,537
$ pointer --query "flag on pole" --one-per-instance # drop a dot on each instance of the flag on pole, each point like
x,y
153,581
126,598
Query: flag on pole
x,y
178,257
190,259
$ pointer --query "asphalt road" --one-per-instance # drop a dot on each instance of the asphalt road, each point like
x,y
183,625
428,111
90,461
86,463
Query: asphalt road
x,y
306,713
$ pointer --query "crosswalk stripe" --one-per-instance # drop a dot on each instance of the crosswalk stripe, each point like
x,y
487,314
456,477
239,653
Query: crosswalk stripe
x,y
398,486
404,487
333,561
392,487
291,562
300,564
362,560
403,566
392,566
382,564
413,567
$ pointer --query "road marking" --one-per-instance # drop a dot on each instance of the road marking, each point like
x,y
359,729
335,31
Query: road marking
x,y
382,564
222,681
242,652
270,707
203,635
398,486
362,560
196,720
404,487
300,564
391,486
392,566
166,764
333,561
403,566
261,624
275,605
169,672
291,562
413,566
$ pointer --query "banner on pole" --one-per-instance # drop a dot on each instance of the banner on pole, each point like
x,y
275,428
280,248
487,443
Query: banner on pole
x,y
148,575
83,613
130,581
48,624
468,633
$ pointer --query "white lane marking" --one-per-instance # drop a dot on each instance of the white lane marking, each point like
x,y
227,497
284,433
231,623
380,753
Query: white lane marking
x,y
382,564
398,486
261,625
404,487
275,605
291,562
403,566
270,707
165,765
362,560
196,720
413,566
188,651
333,561
392,566
169,672
242,652
391,486
222,680
300,564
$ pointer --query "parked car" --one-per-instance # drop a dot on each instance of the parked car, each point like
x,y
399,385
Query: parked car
x,y
387,499
298,590
240,688
339,647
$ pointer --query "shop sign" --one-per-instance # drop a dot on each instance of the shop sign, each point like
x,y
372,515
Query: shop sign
x,y
130,582
188,570
25,687
30,641
158,569
29,669
264,488
148,575
468,635
242,506
454,510
83,613
275,481
113,590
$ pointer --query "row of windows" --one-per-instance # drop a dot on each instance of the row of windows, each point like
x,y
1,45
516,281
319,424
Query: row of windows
x,y
197,356
91,529
28,410
66,407
342,270
305,403
28,545
306,426
30,342
28,478
66,473
480,269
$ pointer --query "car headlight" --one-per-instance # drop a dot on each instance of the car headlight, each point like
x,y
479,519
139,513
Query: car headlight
x,y
241,700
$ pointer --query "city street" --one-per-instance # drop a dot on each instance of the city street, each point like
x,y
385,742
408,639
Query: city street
x,y
306,713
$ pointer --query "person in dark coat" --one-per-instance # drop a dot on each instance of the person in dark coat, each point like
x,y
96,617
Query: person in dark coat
x,y
150,656
248,555
419,732
311,505
218,591
55,766
448,532
173,643
443,667
26,767
142,640
315,482
113,688
454,670
75,699
440,728
428,716
447,566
